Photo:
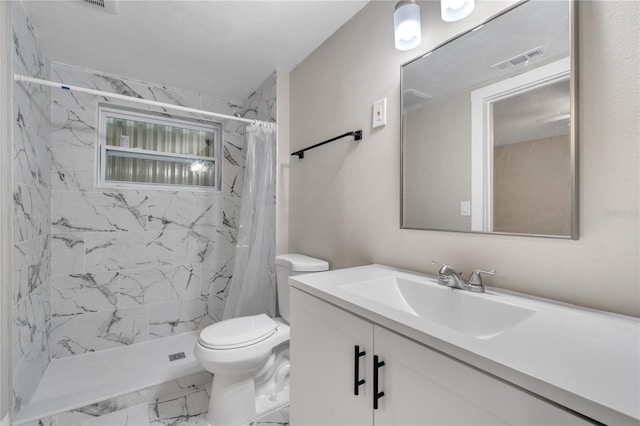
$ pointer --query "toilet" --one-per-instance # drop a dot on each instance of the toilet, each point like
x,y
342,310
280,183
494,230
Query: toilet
x,y
249,356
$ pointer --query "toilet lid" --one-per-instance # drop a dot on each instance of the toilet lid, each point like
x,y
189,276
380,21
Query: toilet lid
x,y
237,332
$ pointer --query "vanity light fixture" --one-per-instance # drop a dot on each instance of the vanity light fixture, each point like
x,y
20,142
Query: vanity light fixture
x,y
406,25
454,10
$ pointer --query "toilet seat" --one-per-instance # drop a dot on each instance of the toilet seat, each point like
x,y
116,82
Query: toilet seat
x,y
238,332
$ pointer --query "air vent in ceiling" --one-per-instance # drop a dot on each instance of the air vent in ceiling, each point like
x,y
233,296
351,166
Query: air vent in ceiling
x,y
518,60
414,99
110,6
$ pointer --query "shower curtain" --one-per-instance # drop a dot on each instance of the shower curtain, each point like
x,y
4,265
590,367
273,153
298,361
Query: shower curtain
x,y
253,286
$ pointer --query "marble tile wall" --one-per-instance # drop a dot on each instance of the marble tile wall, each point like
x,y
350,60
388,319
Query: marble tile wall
x,y
132,265
31,279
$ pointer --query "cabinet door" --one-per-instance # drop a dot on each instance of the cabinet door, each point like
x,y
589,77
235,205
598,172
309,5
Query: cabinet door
x,y
323,339
424,387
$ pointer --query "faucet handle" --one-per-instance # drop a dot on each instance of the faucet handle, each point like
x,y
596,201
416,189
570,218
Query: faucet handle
x,y
476,278
445,269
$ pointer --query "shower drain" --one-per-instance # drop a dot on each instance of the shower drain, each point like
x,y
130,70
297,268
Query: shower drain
x,y
176,356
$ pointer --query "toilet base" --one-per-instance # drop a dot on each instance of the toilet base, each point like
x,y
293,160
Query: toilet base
x,y
238,401
239,406
232,401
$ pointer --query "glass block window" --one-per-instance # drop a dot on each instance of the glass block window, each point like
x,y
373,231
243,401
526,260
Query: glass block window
x,y
139,149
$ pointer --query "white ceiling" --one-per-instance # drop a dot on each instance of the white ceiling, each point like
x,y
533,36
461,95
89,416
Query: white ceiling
x,y
223,48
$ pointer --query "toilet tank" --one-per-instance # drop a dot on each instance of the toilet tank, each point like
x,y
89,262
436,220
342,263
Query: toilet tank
x,y
288,265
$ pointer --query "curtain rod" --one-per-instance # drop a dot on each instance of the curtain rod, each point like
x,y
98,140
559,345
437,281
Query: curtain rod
x,y
24,78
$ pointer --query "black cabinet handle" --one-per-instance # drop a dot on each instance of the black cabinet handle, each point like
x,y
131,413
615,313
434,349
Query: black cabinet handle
x,y
376,395
356,370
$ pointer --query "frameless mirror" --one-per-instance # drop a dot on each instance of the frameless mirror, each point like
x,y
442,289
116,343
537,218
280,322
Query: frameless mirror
x,y
488,127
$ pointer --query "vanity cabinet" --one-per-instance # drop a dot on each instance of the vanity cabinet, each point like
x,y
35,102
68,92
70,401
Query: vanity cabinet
x,y
416,384
322,359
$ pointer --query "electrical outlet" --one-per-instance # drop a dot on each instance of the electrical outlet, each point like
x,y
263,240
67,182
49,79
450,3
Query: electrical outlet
x,y
465,208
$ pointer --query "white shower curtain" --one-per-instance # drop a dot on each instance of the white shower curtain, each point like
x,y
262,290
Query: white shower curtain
x,y
252,290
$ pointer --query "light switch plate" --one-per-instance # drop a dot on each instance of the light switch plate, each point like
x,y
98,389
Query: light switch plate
x,y
380,113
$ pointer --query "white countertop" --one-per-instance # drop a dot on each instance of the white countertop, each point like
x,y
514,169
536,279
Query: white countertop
x,y
585,360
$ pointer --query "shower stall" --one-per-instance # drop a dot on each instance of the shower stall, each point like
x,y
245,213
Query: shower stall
x,y
102,271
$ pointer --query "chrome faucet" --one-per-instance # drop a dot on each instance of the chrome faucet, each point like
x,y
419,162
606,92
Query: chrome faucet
x,y
448,276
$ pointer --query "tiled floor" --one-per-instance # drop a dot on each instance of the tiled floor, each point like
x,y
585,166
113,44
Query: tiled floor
x,y
139,416
276,418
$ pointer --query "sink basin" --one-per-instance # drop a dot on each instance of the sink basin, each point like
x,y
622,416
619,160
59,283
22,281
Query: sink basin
x,y
479,315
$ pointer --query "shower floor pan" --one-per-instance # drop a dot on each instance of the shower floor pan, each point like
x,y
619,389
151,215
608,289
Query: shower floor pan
x,y
79,381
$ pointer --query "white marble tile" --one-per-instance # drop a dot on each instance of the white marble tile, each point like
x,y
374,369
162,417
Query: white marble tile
x,y
138,415
46,421
31,266
179,387
29,371
196,420
111,251
67,253
98,211
173,96
102,409
191,228
31,217
158,285
275,418
216,279
25,167
226,241
167,319
79,77
84,293
196,245
231,217
179,408
222,106
97,331
31,106
170,212
27,48
261,104
31,212
44,159
23,329
72,170
73,128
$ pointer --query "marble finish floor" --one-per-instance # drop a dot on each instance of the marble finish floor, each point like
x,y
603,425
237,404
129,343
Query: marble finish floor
x,y
276,418
139,416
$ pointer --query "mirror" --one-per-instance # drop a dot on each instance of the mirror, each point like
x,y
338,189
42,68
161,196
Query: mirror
x,y
488,128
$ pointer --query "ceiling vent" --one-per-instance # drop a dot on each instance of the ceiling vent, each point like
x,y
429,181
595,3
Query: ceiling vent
x,y
110,6
414,99
519,60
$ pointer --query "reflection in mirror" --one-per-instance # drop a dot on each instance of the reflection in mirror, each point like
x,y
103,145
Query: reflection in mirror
x,y
487,142
527,199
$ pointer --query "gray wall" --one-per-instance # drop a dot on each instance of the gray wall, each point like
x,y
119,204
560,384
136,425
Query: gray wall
x,y
345,196
532,187
433,188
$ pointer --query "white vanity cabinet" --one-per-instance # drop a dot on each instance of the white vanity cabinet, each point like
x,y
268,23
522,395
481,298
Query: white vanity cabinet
x,y
322,381
421,386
